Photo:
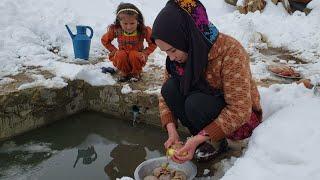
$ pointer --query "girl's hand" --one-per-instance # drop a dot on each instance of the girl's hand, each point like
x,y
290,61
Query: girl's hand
x,y
143,57
173,135
187,151
111,54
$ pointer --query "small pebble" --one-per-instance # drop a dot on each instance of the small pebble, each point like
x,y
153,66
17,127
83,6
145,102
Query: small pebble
x,y
292,62
283,61
206,172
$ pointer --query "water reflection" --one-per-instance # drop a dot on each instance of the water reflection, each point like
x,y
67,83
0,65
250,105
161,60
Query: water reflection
x,y
85,146
88,156
125,159
88,146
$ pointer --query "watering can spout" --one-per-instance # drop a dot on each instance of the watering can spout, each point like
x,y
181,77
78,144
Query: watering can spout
x,y
71,35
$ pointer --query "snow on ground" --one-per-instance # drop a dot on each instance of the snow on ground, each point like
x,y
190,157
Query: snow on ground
x,y
296,32
126,89
284,146
6,80
41,81
33,30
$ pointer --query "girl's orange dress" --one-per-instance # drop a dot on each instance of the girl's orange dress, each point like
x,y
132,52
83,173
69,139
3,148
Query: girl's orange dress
x,y
128,57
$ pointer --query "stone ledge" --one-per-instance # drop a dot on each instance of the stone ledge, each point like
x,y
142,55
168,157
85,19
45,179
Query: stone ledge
x,y
28,109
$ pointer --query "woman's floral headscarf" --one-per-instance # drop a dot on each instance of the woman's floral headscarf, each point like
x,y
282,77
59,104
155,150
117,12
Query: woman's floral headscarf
x,y
184,25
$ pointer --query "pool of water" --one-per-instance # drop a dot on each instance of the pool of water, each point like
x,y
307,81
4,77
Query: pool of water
x,y
88,145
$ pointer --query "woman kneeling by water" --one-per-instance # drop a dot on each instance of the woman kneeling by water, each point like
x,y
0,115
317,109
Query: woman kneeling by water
x,y
208,84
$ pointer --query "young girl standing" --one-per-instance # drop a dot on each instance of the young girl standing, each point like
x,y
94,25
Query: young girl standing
x,y
130,32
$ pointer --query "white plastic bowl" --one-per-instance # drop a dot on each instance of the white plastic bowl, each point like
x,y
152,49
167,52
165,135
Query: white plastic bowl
x,y
146,168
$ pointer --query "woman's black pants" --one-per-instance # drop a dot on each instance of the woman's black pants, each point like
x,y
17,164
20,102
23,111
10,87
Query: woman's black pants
x,y
196,110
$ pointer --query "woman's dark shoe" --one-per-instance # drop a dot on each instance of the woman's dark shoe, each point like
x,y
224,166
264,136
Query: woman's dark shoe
x,y
206,151
123,79
108,70
135,78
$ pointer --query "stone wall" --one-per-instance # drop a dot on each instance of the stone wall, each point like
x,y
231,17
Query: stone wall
x,y
25,110
110,100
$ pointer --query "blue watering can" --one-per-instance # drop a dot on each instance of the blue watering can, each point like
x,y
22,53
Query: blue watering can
x,y
81,41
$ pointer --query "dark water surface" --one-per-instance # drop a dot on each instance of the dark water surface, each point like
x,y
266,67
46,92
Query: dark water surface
x,y
106,148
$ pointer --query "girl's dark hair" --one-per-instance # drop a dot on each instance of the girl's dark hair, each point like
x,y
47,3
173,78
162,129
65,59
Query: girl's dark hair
x,y
140,18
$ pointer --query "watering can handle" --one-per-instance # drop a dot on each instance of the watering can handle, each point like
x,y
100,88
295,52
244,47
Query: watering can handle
x,y
91,30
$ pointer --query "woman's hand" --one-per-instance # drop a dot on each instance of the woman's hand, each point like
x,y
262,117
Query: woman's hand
x,y
173,135
187,151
